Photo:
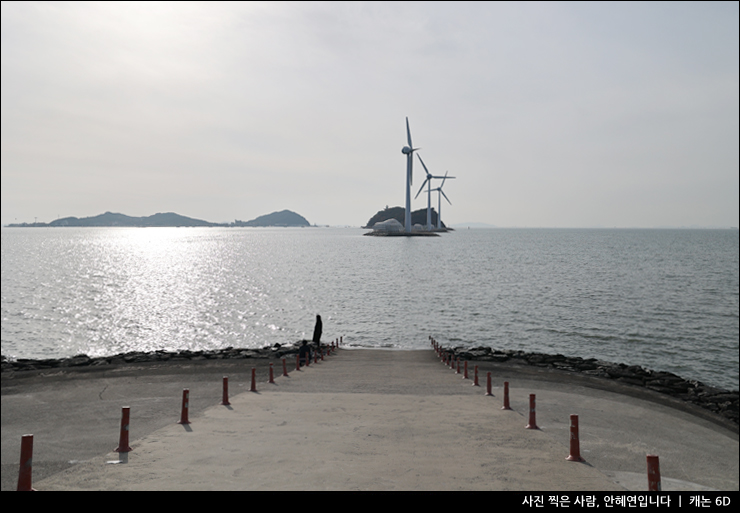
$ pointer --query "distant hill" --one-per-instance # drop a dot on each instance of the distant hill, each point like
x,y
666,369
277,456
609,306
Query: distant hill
x,y
282,218
169,219
113,219
399,214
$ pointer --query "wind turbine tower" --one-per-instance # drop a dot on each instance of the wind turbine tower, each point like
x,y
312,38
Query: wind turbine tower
x,y
409,152
428,183
439,200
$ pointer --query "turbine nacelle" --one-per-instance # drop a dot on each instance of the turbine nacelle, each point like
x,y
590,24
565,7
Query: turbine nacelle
x,y
429,178
439,189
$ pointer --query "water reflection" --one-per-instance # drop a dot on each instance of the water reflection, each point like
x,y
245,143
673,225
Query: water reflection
x,y
648,297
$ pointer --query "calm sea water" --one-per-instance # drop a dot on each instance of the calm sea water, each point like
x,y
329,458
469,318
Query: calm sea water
x,y
664,299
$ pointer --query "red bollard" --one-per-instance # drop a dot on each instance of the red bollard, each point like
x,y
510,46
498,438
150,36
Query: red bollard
x,y
185,407
254,380
458,366
465,373
285,368
123,438
488,385
225,398
653,471
532,424
475,376
25,471
575,449
272,379
506,396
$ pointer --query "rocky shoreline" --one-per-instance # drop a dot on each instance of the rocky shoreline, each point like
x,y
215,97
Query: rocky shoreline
x,y
720,401
82,360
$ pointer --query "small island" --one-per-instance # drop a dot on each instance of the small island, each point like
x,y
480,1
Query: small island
x,y
398,213
282,218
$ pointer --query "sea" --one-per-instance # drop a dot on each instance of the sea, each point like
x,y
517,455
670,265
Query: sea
x,y
665,299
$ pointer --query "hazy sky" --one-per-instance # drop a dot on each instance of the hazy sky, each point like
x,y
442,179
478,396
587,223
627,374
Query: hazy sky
x,y
549,114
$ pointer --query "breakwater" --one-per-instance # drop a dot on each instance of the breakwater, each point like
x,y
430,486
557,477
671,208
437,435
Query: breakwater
x,y
719,401
83,360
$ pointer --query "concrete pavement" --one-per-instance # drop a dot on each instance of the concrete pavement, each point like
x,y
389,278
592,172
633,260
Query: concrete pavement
x,y
360,420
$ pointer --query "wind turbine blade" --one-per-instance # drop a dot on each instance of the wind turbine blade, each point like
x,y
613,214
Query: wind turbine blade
x,y
445,195
422,163
421,189
408,133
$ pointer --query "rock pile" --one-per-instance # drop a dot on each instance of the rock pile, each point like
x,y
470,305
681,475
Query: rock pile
x,y
21,364
720,401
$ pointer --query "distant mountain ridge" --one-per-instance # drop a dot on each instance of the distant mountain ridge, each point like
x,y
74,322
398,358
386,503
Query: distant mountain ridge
x,y
113,219
168,219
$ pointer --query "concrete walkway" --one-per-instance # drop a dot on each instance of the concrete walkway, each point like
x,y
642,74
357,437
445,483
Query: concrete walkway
x,y
401,420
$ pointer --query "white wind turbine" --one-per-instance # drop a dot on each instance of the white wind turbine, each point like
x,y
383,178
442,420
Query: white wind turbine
x,y
428,183
439,200
409,152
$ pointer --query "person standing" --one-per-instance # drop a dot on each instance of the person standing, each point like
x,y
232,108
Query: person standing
x,y
317,334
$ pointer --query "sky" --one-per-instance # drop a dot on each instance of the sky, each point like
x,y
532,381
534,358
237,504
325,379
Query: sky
x,y
548,114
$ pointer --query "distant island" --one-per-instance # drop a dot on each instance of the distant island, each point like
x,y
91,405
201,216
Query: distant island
x,y
282,218
170,219
398,213
112,219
